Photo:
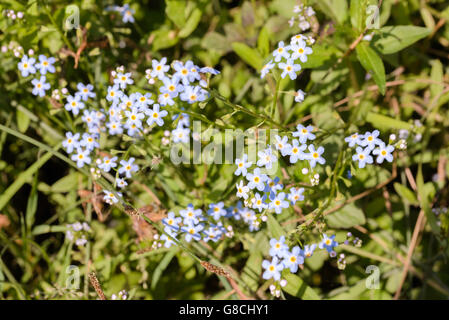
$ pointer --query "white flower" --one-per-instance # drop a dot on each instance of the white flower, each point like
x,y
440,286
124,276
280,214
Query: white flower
x,y
304,133
281,52
242,190
242,165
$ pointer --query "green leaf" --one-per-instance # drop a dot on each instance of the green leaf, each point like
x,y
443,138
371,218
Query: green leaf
x,y
23,121
436,75
347,217
263,42
336,9
162,266
164,39
252,270
298,288
424,194
386,123
191,24
65,184
372,63
391,39
274,227
32,203
357,12
249,55
22,179
405,193
175,11
322,53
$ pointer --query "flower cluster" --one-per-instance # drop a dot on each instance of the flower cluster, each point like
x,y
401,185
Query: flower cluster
x,y
78,232
285,258
193,224
369,143
304,14
29,65
286,56
122,295
264,193
126,12
13,15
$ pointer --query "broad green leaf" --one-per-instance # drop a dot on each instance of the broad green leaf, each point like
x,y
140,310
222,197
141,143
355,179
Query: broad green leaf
x,y
249,55
298,288
336,9
162,266
175,11
347,217
65,184
406,193
22,179
164,39
191,24
274,227
357,12
322,53
391,39
252,270
436,75
372,63
263,42
383,122
424,194
23,121
32,203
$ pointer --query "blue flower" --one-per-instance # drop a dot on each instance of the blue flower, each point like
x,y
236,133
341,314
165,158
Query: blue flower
x,y
384,152
281,52
304,133
81,157
85,91
278,203
242,190
354,139
242,165
71,142
40,86
123,80
171,86
266,158
308,250
142,101
278,247
296,194
127,13
74,104
300,51
216,210
296,151
289,68
272,269
315,156
26,66
192,94
259,202
128,167
293,259
370,140
89,142
266,68
156,115
172,221
363,156
328,243
159,68
181,135
282,145
108,163
45,64
191,215
256,179
192,232
209,70
114,94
